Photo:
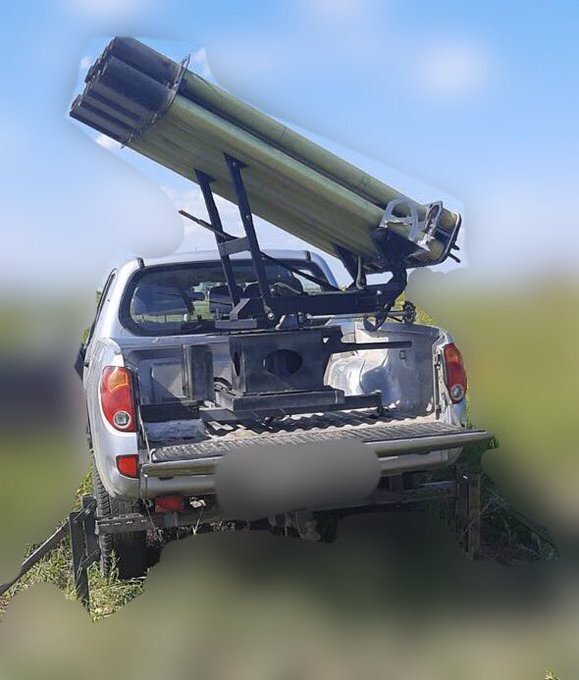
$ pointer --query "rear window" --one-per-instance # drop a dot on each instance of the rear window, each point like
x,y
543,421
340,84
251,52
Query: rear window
x,y
174,299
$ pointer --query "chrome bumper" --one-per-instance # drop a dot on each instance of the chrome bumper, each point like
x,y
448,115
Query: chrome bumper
x,y
196,476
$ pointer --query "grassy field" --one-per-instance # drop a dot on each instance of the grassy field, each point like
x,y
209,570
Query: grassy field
x,y
508,537
107,595
212,588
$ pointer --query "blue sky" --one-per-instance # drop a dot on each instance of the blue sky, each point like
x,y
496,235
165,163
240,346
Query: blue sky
x,y
472,103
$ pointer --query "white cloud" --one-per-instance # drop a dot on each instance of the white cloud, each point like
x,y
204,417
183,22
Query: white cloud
x,y
200,64
109,9
452,69
107,142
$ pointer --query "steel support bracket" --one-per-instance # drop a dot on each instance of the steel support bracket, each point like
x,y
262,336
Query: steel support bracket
x,y
468,511
84,546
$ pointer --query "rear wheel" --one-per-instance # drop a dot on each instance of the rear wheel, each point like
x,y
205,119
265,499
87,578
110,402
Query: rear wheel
x,y
133,556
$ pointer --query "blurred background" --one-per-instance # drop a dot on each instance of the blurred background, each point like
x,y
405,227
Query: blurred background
x,y
472,104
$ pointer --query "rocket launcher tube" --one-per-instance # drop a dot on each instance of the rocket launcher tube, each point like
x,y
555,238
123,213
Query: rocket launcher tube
x,y
299,147
158,108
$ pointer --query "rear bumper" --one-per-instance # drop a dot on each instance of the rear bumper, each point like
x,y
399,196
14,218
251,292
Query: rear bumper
x,y
194,474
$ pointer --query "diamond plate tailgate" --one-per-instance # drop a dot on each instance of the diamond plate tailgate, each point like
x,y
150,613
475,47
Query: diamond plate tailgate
x,y
304,431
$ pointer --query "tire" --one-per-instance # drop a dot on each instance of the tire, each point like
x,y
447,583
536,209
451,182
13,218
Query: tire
x,y
133,556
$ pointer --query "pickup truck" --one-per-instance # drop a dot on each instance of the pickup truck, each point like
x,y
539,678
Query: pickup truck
x,y
155,363
246,385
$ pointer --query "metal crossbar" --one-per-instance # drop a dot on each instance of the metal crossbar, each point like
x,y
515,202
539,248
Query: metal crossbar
x,y
81,526
235,166
43,549
217,228
268,309
323,283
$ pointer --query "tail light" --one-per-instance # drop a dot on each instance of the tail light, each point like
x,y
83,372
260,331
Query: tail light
x,y
169,504
117,398
455,377
129,465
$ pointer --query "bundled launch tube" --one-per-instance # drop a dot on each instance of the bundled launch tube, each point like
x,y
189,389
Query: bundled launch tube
x,y
157,107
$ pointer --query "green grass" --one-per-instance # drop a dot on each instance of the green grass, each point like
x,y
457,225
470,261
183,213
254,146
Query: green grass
x,y
508,537
107,595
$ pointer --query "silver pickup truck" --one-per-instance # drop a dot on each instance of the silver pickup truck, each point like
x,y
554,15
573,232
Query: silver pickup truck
x,y
245,384
157,448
